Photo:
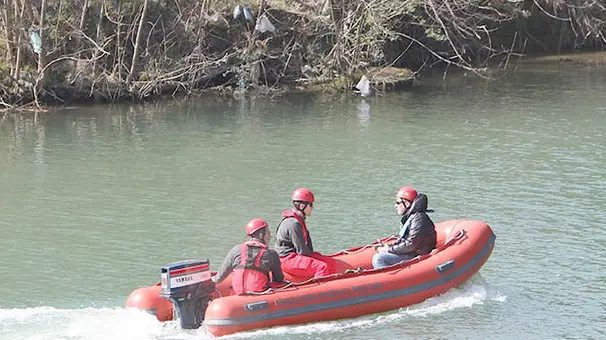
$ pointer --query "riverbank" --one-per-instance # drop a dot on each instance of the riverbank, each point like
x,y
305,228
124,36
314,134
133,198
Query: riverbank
x,y
144,50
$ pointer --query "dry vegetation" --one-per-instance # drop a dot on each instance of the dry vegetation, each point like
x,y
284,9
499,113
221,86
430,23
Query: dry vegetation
x,y
111,50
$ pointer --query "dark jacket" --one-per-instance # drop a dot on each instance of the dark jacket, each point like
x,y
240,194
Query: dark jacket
x,y
269,261
290,239
418,233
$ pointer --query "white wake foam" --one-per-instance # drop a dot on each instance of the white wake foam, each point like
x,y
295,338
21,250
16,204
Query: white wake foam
x,y
48,323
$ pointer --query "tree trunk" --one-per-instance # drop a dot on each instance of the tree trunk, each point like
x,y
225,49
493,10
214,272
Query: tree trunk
x,y
41,55
8,21
117,69
133,65
58,15
83,15
98,38
82,21
19,34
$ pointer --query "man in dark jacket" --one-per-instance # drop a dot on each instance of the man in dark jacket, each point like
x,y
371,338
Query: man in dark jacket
x,y
417,235
252,261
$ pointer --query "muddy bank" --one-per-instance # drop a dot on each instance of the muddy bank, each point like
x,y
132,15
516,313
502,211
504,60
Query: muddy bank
x,y
138,50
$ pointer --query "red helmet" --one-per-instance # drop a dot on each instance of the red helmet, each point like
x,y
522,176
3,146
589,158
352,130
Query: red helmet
x,y
407,193
254,225
302,194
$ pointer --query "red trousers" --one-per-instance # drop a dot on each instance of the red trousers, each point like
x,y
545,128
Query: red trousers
x,y
306,267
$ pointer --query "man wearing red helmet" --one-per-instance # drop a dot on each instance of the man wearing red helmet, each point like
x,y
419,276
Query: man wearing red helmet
x,y
252,261
417,235
293,241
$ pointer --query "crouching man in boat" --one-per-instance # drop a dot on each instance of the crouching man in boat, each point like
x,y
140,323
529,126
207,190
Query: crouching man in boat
x,y
252,261
417,235
293,241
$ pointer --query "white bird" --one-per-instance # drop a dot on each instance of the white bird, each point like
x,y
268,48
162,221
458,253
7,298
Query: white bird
x,y
264,25
237,11
246,12
363,87
35,40
248,15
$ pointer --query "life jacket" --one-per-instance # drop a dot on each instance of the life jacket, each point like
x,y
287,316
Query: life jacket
x,y
248,276
289,213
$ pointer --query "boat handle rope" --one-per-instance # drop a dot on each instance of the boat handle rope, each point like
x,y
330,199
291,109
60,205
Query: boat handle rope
x,y
377,242
452,240
447,244
218,292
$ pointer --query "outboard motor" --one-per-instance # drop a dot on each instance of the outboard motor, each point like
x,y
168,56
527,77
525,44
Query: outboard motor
x,y
188,286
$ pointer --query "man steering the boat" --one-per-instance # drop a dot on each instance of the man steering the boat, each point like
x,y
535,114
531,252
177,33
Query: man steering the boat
x,y
293,241
417,235
252,261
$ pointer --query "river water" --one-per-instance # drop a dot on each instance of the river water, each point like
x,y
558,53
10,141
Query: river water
x,y
95,199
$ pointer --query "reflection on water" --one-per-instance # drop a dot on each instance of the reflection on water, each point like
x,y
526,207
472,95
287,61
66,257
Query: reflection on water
x,y
364,113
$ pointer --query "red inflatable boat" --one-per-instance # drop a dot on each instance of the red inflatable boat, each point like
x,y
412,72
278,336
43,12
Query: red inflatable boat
x,y
463,246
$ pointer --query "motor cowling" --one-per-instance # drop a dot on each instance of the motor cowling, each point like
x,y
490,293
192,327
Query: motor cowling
x,y
189,287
